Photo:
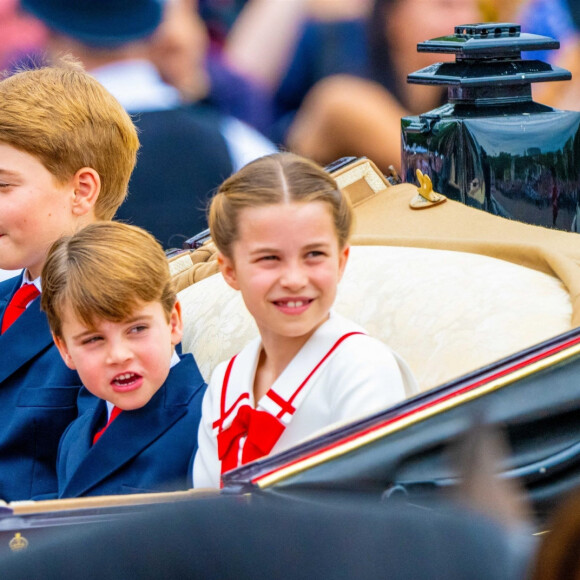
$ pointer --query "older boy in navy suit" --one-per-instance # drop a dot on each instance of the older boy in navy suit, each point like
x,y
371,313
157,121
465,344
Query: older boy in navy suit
x,y
115,318
67,149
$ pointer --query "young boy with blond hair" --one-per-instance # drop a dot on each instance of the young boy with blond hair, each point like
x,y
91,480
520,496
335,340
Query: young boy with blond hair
x,y
67,150
115,318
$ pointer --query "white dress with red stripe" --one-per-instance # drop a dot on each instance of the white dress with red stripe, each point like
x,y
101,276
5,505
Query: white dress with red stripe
x,y
339,375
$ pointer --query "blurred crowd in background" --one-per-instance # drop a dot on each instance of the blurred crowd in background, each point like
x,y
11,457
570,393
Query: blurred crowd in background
x,y
324,78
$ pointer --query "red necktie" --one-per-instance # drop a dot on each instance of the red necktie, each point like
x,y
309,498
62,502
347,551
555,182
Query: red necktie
x,y
21,299
114,414
261,430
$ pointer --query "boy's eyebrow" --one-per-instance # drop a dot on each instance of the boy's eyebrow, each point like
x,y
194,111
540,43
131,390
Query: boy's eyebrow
x,y
8,172
130,320
87,332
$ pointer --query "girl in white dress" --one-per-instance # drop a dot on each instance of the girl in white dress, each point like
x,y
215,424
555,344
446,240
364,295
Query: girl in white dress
x,y
282,226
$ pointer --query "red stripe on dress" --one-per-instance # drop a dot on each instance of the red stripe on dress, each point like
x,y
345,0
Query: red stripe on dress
x,y
303,384
284,405
222,419
223,414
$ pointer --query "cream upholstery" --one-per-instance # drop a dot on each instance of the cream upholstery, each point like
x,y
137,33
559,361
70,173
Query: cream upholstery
x,y
445,312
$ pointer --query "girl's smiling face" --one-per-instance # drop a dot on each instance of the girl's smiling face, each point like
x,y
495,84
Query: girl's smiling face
x,y
287,264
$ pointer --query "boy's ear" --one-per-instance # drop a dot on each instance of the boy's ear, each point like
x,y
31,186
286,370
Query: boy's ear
x,y
87,186
61,345
228,270
176,324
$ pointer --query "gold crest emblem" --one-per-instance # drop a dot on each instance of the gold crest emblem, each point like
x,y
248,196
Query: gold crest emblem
x,y
18,542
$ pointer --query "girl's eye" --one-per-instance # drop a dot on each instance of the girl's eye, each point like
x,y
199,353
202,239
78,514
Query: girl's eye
x,y
315,254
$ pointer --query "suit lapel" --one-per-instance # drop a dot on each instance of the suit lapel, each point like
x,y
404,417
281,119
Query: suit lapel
x,y
133,431
80,441
5,297
27,337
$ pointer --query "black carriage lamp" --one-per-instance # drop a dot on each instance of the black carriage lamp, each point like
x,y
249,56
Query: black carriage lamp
x,y
491,146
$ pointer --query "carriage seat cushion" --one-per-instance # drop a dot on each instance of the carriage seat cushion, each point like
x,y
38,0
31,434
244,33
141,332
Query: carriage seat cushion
x,y
446,312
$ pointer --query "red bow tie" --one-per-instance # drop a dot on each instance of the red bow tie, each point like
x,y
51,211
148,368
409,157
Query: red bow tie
x,y
261,430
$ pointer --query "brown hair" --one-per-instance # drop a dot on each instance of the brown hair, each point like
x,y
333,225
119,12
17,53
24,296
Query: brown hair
x,y
273,179
105,271
68,120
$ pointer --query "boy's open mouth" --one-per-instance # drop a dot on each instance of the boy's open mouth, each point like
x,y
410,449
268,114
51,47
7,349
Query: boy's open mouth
x,y
125,379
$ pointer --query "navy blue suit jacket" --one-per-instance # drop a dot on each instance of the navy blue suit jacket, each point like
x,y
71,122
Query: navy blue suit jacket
x,y
145,450
38,400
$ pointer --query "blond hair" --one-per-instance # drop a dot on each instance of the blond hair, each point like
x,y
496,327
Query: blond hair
x,y
274,179
68,120
105,271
